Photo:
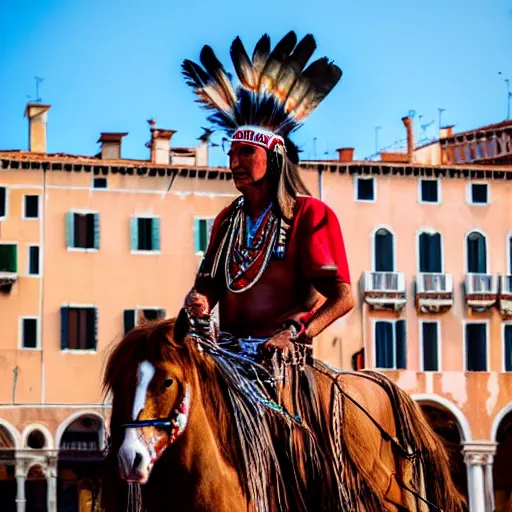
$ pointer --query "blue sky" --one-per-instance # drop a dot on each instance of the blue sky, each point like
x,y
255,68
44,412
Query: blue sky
x,y
110,65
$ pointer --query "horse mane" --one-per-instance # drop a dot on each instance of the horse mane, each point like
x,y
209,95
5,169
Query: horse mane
x,y
271,472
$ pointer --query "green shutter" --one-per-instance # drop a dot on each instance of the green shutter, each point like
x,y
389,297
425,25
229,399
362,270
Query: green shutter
x,y
64,327
70,229
155,234
203,234
14,258
197,246
96,230
134,233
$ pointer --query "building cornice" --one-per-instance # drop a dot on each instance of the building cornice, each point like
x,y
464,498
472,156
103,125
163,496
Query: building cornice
x,y
140,168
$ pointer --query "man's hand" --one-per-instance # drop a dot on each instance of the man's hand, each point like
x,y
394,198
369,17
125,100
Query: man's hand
x,y
280,342
197,303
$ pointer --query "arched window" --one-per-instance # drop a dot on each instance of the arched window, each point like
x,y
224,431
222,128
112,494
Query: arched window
x,y
476,253
384,252
430,252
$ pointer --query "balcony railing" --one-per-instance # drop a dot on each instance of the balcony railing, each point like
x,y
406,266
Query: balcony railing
x,y
505,297
434,292
384,290
481,290
431,283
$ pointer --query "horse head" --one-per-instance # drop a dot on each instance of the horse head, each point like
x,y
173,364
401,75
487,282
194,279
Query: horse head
x,y
149,374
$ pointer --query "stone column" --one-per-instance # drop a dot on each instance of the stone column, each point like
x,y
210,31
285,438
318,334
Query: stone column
x,y
489,483
479,458
475,463
51,482
21,477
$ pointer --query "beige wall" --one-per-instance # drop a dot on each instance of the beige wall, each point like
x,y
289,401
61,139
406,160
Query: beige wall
x,y
112,279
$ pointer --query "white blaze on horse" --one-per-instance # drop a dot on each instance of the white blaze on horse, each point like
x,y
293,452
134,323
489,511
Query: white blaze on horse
x,y
189,423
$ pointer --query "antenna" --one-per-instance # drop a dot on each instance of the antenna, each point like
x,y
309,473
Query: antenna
x,y
440,111
509,94
38,80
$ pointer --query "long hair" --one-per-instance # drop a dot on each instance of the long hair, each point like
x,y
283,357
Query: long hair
x,y
285,179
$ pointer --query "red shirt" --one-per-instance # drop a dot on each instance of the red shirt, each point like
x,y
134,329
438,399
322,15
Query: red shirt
x,y
315,249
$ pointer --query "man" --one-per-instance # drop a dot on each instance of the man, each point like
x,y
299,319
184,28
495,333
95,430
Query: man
x,y
276,263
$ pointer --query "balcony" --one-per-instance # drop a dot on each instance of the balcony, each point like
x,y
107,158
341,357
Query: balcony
x,y
434,292
505,297
384,290
481,291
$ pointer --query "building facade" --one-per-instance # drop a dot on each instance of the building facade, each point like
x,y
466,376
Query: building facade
x,y
89,246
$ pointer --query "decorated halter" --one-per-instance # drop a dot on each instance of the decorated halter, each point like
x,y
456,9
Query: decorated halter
x,y
173,425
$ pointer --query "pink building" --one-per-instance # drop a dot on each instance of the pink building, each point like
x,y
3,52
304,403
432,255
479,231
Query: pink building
x,y
90,245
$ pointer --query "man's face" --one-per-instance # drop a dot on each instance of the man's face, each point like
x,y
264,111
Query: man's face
x,y
248,164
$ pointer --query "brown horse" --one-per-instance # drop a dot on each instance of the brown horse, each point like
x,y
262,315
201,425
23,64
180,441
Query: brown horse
x,y
190,424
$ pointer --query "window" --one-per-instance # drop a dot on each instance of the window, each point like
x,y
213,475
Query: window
x,y
145,234
83,230
78,328
133,317
479,193
33,260
31,207
476,347
430,252
430,346
384,258
3,202
507,341
29,333
390,345
99,182
8,258
202,232
365,189
429,191
509,248
476,253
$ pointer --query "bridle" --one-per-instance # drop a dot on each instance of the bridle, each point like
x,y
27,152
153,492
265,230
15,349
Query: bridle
x,y
174,424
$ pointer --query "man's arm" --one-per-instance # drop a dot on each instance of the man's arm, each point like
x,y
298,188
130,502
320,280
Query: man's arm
x,y
340,300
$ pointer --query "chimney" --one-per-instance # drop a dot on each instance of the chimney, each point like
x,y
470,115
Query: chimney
x,y
345,154
407,120
37,114
445,132
111,145
161,145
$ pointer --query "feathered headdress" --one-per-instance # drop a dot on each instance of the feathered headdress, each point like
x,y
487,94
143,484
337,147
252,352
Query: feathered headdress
x,y
276,90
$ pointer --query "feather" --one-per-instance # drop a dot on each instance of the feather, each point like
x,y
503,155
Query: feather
x,y
321,87
202,84
305,84
218,75
292,70
243,65
275,62
194,74
260,54
303,51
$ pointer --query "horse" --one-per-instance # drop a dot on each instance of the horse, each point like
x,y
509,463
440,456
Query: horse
x,y
190,431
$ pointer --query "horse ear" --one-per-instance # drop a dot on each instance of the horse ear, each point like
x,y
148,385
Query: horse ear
x,y
181,326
